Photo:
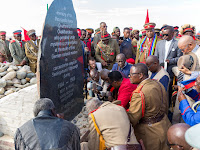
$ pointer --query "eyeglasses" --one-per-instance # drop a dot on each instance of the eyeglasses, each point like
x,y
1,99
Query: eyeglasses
x,y
184,48
150,66
131,74
170,145
165,34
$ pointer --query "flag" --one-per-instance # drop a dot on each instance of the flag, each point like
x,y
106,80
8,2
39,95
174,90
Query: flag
x,y
26,37
147,17
189,83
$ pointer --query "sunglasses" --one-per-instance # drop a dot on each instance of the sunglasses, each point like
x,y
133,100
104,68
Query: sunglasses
x,y
165,34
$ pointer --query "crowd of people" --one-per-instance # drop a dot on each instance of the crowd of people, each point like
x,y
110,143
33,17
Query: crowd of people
x,y
18,51
142,90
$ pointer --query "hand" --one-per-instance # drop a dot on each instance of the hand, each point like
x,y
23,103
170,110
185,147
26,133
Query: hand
x,y
185,70
175,87
110,98
104,63
120,42
87,49
61,115
181,96
167,60
22,63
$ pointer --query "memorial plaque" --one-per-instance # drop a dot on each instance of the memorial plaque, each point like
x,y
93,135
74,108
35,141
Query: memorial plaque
x,y
61,60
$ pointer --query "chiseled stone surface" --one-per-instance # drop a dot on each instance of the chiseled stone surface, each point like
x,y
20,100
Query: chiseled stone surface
x,y
16,109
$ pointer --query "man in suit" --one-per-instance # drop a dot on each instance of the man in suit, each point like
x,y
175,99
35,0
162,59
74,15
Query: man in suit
x,y
17,49
31,50
167,50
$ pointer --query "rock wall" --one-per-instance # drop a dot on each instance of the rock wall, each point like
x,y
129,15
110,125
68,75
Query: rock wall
x,y
17,108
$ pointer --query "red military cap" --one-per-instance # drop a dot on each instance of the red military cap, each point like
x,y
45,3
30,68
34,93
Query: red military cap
x,y
2,32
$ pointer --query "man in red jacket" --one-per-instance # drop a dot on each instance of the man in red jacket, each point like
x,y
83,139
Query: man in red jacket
x,y
124,87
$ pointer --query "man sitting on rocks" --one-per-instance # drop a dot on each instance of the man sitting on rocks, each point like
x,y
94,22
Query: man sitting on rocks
x,y
46,130
105,126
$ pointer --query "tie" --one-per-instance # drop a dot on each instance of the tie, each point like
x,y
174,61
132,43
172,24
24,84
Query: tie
x,y
20,43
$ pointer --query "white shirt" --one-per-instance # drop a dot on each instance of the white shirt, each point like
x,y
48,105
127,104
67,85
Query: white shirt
x,y
167,45
35,42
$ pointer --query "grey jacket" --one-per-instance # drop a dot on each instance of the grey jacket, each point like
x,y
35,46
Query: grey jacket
x,y
173,54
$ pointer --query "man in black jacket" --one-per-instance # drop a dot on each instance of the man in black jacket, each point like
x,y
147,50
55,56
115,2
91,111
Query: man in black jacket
x,y
47,131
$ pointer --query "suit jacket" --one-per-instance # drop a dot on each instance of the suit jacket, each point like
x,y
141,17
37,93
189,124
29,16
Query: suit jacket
x,y
155,103
113,123
5,49
17,52
173,54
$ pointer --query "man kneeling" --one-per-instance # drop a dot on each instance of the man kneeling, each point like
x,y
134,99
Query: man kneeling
x,y
109,127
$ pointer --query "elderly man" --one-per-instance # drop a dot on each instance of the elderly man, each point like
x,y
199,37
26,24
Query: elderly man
x,y
147,44
176,137
31,50
187,44
17,49
148,109
167,50
104,121
4,46
97,36
121,65
157,72
124,87
46,130
190,116
126,47
106,51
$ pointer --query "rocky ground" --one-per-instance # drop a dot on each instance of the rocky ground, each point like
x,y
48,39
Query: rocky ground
x,y
13,78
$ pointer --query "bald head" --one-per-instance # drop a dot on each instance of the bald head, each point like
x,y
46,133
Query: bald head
x,y
104,74
152,59
186,44
121,56
94,74
121,59
176,135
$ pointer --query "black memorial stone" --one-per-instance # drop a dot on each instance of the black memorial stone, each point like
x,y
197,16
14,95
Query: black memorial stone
x,y
61,60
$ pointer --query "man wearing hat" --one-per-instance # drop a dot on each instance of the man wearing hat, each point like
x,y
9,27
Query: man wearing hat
x,y
17,49
157,32
176,32
143,33
5,46
136,40
97,36
31,50
147,44
107,50
116,35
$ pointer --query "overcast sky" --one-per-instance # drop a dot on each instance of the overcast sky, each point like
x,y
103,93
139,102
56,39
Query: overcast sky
x,y
30,14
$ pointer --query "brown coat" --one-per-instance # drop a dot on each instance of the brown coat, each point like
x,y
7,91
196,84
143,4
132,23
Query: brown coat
x,y
154,135
109,53
114,124
31,51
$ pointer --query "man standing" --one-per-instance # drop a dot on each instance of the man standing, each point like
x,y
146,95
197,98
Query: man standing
x,y
126,47
121,65
106,51
157,72
31,50
46,130
136,40
17,49
5,46
148,109
97,36
124,87
167,50
147,44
